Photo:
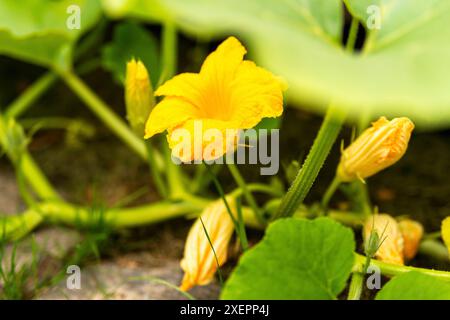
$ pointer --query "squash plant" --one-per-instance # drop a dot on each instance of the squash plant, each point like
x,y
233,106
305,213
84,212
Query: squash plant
x,y
399,71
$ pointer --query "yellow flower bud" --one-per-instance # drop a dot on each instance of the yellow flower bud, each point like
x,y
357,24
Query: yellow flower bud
x,y
199,263
412,232
139,98
391,239
375,149
445,232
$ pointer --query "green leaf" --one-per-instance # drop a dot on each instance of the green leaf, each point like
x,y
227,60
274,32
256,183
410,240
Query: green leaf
x,y
297,259
400,73
415,286
36,30
131,41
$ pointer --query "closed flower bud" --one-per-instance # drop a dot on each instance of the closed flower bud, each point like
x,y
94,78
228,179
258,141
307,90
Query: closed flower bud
x,y
445,232
199,262
412,232
391,240
139,99
375,149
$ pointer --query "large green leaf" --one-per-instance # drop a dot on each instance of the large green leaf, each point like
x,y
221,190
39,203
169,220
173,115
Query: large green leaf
x,y
36,30
415,286
131,41
401,73
297,259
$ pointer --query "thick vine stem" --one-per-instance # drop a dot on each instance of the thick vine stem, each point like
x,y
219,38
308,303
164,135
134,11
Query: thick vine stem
x,y
306,176
15,227
392,270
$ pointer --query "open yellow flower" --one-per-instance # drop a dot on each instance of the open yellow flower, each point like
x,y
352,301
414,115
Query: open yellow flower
x,y
375,149
227,93
199,263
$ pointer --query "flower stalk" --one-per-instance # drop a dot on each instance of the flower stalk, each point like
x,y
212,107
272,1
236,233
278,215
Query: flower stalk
x,y
247,194
306,176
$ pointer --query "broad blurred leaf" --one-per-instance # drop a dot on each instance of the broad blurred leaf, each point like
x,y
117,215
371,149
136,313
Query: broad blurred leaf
x,y
297,259
415,286
131,41
400,73
36,30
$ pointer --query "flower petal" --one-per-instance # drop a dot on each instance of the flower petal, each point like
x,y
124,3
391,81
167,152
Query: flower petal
x,y
185,85
256,94
223,63
167,114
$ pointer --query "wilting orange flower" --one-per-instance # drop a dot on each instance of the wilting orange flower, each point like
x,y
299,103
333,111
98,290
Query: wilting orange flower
x,y
391,249
139,98
445,232
375,149
227,93
199,263
412,232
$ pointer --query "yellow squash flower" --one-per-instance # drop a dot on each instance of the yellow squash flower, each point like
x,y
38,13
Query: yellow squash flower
x,y
375,149
412,232
445,231
139,99
391,248
199,263
228,93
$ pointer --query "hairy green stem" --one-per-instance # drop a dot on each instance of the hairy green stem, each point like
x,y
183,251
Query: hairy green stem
x,y
306,176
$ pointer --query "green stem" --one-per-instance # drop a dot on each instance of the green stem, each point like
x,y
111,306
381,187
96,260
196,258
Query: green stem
x,y
169,51
238,227
306,176
111,120
243,233
31,171
356,285
22,186
16,227
352,35
392,270
159,182
201,179
117,218
247,194
434,249
31,94
174,176
330,192
39,87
